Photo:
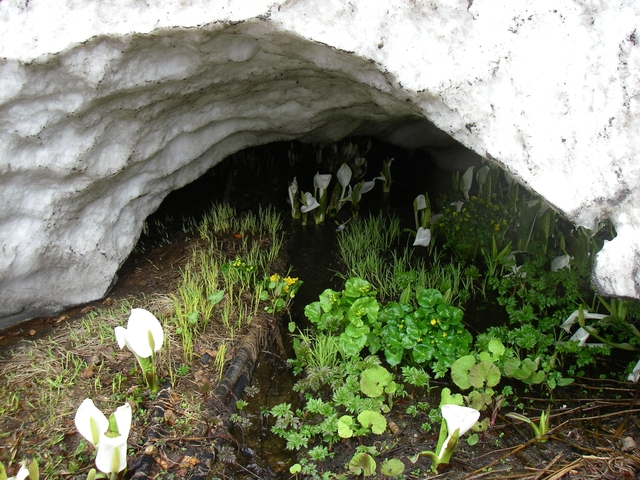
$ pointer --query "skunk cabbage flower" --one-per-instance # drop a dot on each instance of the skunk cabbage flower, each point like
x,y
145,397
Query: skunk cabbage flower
x,y
423,237
108,436
310,203
560,262
344,178
456,421
321,183
580,336
459,204
635,375
143,336
459,421
422,209
91,422
571,319
112,454
466,181
366,187
481,177
22,474
293,198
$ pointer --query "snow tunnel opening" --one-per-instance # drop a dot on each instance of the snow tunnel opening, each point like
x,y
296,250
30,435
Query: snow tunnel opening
x,y
260,175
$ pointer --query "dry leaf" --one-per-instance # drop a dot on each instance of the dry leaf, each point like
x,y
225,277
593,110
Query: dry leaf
x,y
88,373
188,461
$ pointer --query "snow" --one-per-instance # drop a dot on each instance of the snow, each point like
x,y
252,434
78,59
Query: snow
x,y
106,107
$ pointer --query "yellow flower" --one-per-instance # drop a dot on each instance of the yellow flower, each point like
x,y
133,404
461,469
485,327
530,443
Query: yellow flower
x,y
274,278
290,281
419,340
444,334
433,321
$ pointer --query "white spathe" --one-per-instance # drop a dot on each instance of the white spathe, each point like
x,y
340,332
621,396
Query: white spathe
x,y
106,107
143,336
458,418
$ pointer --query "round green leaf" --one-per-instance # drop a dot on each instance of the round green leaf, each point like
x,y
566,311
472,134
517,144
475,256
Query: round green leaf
x,y
344,426
374,380
460,370
373,420
362,463
484,373
392,467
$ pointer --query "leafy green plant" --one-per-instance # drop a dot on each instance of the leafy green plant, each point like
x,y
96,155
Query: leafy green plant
x,y
351,405
352,313
540,430
470,225
278,292
429,334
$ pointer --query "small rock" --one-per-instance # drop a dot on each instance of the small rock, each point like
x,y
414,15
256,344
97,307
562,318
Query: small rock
x,y
628,444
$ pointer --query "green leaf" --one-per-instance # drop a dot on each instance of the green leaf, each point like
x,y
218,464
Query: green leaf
x,y
217,297
484,373
373,420
357,287
473,439
363,307
392,467
344,426
312,312
374,380
511,366
460,370
362,464
429,298
295,468
496,348
393,356
446,397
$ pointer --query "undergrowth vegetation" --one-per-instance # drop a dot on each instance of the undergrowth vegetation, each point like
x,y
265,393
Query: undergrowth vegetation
x,y
403,306
392,349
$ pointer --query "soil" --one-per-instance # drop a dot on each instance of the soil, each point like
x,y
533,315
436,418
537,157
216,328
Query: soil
x,y
185,430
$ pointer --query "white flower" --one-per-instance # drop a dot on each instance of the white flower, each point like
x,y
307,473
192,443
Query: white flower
x,y
423,237
94,426
23,473
420,203
560,262
293,191
571,319
635,375
361,188
91,422
112,454
481,176
310,203
321,183
143,335
466,181
580,336
457,418
344,177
